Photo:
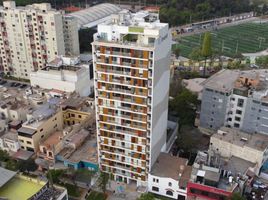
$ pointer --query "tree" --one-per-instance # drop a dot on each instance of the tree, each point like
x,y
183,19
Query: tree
x,y
54,175
262,61
237,196
12,165
4,156
146,196
185,105
103,180
177,52
28,165
206,50
196,54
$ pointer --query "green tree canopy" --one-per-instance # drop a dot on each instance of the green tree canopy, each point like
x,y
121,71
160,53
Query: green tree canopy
x,y
3,155
103,180
206,46
185,105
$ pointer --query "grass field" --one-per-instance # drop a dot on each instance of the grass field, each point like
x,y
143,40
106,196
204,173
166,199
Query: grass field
x,y
19,189
242,38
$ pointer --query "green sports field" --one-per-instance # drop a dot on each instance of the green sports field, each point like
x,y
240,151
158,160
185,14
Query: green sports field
x,y
243,38
19,189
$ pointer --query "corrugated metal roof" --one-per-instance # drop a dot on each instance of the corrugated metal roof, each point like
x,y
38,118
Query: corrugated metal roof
x,y
5,176
94,13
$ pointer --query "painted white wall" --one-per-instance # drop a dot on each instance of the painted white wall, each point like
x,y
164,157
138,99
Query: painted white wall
x,y
64,80
163,185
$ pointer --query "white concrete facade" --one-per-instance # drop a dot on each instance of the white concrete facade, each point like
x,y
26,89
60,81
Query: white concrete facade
x,y
9,142
131,73
67,76
166,186
31,36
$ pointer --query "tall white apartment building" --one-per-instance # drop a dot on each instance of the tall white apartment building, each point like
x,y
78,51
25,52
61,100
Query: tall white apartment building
x,y
30,37
131,56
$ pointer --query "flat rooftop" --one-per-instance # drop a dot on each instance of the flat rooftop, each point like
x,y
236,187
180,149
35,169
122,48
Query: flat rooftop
x,y
255,141
171,166
53,139
86,152
238,165
23,188
223,80
26,130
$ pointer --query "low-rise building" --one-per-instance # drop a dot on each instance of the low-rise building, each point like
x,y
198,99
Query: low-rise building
x,y
51,146
67,74
215,178
41,123
169,177
9,142
79,150
231,142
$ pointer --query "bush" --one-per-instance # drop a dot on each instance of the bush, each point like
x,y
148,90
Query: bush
x,y
96,196
72,190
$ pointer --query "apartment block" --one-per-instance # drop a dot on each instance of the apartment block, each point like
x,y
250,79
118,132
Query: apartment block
x,y
31,36
236,99
131,57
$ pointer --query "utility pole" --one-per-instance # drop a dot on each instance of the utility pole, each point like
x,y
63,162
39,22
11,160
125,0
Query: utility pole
x,y
222,45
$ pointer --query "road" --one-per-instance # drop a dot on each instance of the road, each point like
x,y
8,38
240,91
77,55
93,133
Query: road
x,y
219,27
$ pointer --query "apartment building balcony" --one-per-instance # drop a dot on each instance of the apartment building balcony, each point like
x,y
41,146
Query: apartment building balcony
x,y
140,119
34,55
123,166
120,89
132,109
4,33
103,61
39,18
105,158
122,130
124,52
126,42
132,125
129,81
121,137
127,148
122,152
132,99
2,24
